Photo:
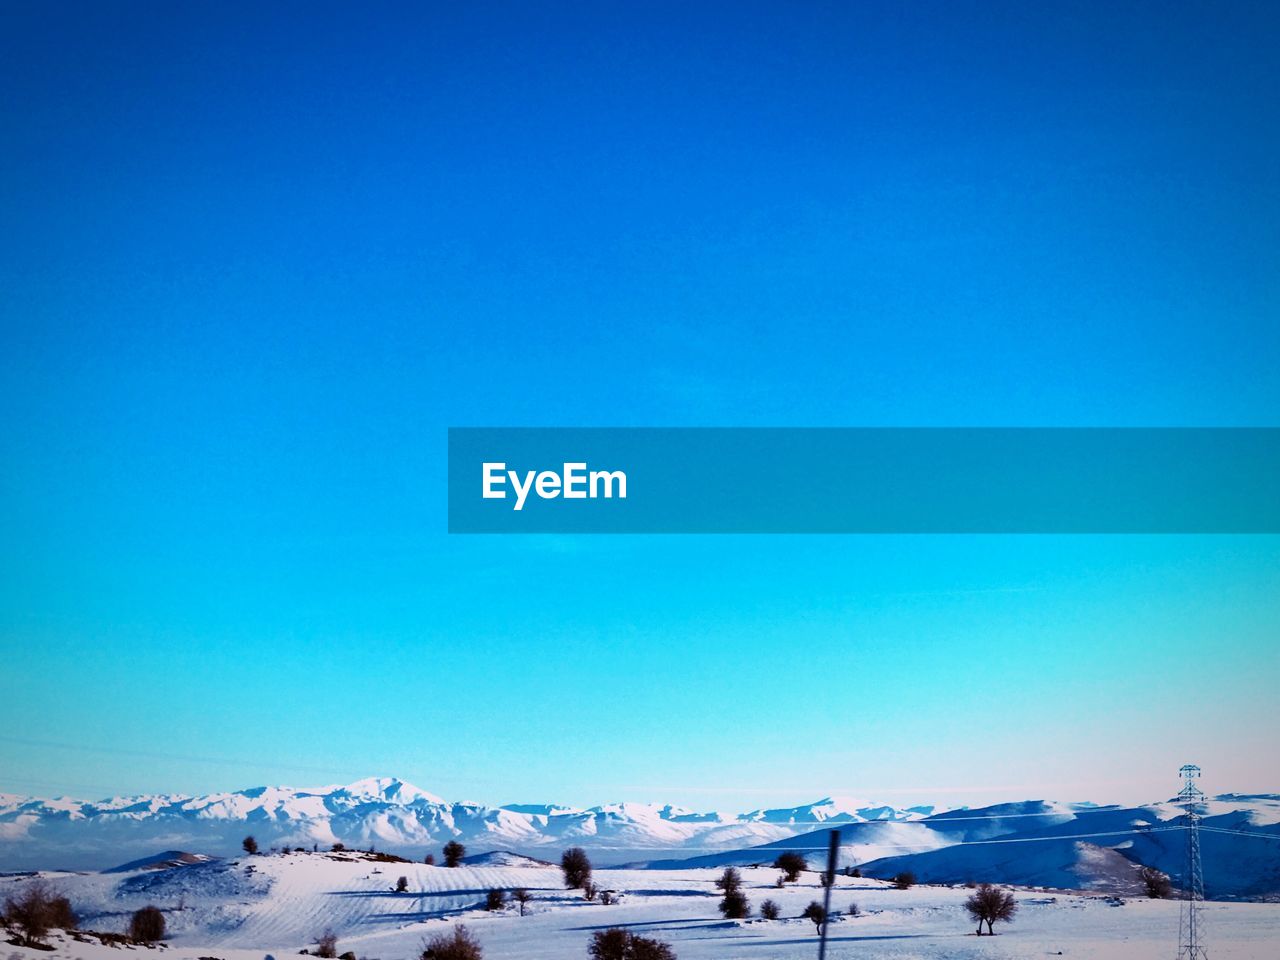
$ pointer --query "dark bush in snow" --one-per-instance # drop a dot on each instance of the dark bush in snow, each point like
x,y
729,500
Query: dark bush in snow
x,y
791,863
250,845
904,880
327,945
402,885
730,880
455,944
453,853
618,944
576,868
495,899
1156,883
147,925
770,910
735,906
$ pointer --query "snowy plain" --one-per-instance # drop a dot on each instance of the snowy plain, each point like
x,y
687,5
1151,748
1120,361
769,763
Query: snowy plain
x,y
249,907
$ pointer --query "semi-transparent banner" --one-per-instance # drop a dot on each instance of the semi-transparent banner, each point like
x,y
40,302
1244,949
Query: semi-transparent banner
x,y
864,480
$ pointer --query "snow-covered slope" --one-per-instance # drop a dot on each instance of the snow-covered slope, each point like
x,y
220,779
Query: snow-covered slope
x,y
386,813
1041,843
244,908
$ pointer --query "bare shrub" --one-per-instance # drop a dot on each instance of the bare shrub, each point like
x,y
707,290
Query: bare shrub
x,y
29,912
327,944
770,910
61,915
147,925
455,944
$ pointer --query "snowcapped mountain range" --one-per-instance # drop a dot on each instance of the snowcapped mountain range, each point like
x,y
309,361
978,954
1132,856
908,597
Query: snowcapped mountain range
x,y
1033,842
392,815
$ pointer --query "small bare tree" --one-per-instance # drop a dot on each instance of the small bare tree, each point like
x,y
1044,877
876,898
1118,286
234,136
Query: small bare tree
x,y
402,885
495,900
770,910
521,896
29,912
990,904
250,845
815,912
904,880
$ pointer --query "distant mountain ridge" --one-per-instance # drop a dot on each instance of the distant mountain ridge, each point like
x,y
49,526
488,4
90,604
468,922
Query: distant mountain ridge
x,y
391,814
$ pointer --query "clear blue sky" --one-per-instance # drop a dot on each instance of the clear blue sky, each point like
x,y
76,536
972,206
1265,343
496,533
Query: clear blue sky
x,y
255,263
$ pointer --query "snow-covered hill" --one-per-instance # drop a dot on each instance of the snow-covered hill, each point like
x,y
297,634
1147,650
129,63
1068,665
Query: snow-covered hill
x,y
389,814
1040,843
245,907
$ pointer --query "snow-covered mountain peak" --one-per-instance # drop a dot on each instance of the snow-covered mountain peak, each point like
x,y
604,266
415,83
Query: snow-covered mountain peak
x,y
388,790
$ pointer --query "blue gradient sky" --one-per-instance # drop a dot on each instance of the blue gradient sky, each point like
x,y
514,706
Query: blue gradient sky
x,y
254,264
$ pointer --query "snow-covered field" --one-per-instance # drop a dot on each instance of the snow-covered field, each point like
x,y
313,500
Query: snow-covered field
x,y
249,907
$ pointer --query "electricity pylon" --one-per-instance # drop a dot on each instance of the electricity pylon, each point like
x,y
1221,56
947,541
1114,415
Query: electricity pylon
x,y
1191,798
